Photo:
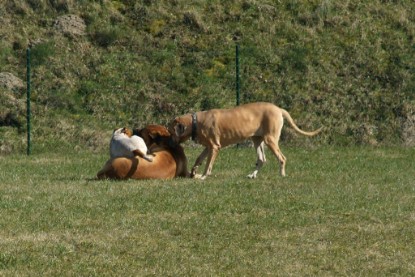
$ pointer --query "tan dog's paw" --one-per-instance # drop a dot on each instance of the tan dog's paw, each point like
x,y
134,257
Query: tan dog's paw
x,y
193,173
253,175
199,176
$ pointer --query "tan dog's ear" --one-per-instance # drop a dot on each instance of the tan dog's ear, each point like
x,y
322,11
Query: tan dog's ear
x,y
179,129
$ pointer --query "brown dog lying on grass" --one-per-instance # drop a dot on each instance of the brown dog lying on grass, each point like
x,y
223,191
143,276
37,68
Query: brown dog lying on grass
x,y
169,160
217,128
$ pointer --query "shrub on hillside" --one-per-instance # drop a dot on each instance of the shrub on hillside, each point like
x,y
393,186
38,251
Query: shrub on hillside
x,y
41,52
106,36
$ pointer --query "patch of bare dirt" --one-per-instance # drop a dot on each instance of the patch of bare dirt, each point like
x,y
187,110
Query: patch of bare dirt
x,y
70,25
11,82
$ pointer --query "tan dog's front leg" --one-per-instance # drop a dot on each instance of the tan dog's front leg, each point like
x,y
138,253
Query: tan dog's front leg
x,y
213,153
259,145
198,162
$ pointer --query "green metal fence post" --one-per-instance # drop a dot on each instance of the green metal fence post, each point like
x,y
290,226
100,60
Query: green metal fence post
x,y
237,75
238,87
28,112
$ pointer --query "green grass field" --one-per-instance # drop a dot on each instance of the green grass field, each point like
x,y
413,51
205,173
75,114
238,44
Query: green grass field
x,y
340,211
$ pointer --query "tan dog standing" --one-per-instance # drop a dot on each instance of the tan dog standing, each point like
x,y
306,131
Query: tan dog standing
x,y
217,128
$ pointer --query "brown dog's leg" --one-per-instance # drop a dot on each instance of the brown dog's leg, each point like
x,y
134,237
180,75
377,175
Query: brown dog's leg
x,y
199,161
259,146
102,173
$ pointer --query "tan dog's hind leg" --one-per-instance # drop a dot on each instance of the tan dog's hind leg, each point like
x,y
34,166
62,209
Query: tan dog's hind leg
x,y
273,145
259,146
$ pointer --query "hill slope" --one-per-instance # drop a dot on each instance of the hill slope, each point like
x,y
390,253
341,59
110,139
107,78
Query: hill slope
x,y
96,65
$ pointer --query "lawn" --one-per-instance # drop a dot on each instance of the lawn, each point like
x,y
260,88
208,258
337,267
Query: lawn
x,y
340,211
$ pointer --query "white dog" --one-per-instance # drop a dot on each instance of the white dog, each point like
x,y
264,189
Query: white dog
x,y
125,144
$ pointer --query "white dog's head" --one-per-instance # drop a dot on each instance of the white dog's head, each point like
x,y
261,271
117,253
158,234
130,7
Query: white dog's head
x,y
122,132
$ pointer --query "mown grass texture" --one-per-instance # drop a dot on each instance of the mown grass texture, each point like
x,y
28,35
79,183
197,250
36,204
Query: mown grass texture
x,y
340,211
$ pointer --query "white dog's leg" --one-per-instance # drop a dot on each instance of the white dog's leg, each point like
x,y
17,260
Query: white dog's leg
x,y
259,145
148,158
139,153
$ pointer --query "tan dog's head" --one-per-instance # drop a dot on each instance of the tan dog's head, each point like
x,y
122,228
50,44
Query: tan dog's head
x,y
154,134
181,128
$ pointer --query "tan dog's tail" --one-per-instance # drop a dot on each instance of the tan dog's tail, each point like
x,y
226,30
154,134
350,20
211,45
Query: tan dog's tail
x,y
287,116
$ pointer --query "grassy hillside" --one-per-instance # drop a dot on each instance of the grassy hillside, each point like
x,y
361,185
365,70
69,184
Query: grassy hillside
x,y
347,65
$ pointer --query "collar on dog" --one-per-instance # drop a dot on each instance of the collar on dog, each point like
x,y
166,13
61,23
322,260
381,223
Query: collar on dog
x,y
194,126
